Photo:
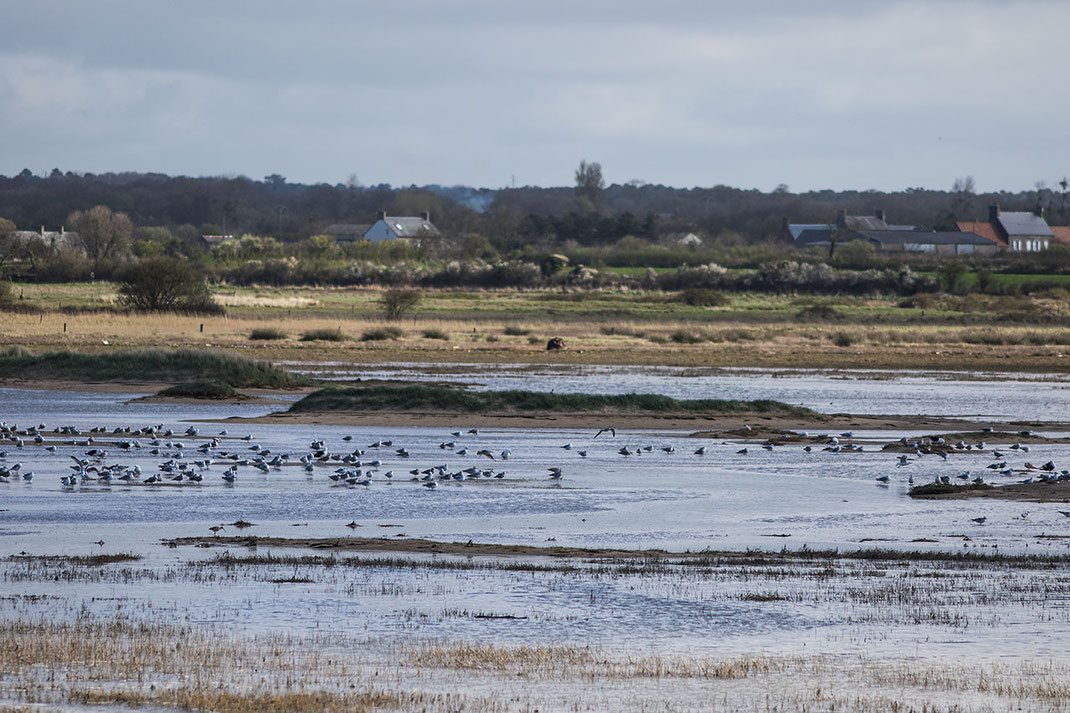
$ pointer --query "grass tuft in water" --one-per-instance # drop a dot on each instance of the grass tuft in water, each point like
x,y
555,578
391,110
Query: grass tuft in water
x,y
203,389
443,398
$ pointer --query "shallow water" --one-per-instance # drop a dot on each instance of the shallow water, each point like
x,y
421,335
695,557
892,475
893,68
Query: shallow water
x,y
723,500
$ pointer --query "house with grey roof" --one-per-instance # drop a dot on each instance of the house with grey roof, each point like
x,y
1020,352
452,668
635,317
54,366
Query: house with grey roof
x,y
389,227
55,240
1023,231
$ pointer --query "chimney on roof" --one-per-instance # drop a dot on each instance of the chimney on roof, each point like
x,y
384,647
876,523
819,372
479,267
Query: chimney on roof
x,y
42,231
993,212
425,216
381,215
1038,210
880,215
841,218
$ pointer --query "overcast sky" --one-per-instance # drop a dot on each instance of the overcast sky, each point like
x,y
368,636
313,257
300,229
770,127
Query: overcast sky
x,y
815,94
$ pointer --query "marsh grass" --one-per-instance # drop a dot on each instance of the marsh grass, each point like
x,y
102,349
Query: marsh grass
x,y
230,561
154,364
701,297
97,560
204,699
442,398
436,333
684,336
267,334
324,335
381,334
843,338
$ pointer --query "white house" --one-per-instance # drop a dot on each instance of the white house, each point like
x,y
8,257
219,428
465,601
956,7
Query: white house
x,y
392,227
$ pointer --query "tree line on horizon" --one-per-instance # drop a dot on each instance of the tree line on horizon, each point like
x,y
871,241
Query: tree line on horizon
x,y
588,213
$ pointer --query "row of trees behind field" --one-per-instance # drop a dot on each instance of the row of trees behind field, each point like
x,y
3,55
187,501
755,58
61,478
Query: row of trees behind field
x,y
587,213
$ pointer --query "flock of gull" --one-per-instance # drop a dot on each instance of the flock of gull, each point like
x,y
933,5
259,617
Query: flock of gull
x,y
92,461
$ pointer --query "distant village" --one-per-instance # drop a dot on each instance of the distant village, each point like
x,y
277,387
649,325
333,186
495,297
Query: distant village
x,y
1017,231
1003,231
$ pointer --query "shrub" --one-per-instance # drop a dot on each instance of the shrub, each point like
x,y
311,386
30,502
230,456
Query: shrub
x,y
682,336
164,283
324,335
436,334
823,313
843,339
397,301
702,297
492,337
920,301
267,333
951,274
534,340
511,330
1052,293
380,334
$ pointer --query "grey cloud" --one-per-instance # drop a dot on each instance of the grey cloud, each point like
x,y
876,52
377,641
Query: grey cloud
x,y
889,94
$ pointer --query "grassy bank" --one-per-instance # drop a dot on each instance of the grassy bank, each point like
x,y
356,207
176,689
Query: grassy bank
x,y
185,365
442,398
937,332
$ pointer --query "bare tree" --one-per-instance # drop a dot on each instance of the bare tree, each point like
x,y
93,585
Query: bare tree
x,y
962,191
589,181
103,235
10,246
397,302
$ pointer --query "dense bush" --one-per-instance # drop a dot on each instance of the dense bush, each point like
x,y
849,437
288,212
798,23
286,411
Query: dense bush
x,y
381,334
267,333
702,297
397,302
162,284
324,335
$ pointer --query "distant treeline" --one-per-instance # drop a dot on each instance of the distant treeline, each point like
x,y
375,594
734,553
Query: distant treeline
x,y
513,217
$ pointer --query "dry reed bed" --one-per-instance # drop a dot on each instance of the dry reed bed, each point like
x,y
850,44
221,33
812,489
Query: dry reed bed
x,y
118,663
